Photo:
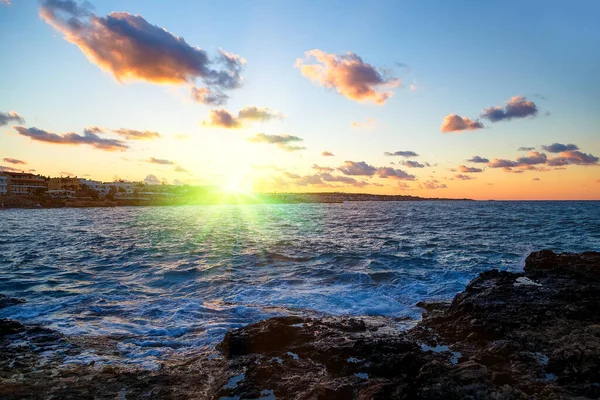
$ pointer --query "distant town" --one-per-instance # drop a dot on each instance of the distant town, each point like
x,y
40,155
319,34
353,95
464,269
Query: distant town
x,y
27,190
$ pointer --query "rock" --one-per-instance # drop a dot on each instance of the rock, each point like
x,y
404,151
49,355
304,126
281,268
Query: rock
x,y
6,301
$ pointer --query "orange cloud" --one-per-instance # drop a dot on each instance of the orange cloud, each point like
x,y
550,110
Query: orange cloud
x,y
348,74
454,123
130,48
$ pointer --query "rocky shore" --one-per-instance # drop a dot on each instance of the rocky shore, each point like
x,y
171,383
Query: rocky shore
x,y
525,335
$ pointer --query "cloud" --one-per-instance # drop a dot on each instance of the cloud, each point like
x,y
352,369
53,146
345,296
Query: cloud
x,y
573,157
501,163
455,123
13,161
414,164
8,3
516,107
67,173
152,180
432,184
359,168
132,134
526,148
160,161
368,124
224,119
559,148
282,141
260,114
327,177
88,138
469,170
209,97
536,179
463,177
6,118
180,169
322,169
130,48
387,172
533,158
327,154
348,74
9,169
477,159
402,153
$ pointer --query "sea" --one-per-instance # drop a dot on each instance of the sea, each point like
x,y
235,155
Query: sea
x,y
171,281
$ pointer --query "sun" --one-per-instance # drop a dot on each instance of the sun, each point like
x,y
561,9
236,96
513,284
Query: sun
x,y
237,185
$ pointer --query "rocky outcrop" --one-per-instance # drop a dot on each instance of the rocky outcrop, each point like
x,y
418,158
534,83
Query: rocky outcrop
x,y
525,335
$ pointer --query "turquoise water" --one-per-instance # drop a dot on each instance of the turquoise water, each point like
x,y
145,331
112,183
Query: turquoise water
x,y
175,279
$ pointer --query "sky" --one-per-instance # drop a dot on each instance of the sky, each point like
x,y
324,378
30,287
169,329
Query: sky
x,y
462,99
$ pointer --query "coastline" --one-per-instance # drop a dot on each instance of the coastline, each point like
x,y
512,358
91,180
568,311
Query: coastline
x,y
507,335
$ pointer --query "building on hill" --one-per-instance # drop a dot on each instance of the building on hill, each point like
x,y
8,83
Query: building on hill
x,y
3,184
24,183
71,184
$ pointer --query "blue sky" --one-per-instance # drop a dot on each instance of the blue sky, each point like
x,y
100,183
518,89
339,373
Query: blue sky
x,y
461,57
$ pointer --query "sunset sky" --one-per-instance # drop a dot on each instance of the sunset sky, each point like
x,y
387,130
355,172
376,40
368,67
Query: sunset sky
x,y
427,98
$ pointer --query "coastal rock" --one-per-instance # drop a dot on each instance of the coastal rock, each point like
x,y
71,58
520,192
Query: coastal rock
x,y
496,340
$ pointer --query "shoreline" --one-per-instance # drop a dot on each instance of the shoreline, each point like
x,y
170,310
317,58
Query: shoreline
x,y
507,335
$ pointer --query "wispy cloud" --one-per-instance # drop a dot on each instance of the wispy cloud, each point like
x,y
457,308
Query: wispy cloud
x,y
282,141
456,123
526,148
432,184
6,118
130,48
516,107
14,161
463,177
402,153
132,134
327,154
368,124
322,169
393,173
349,75
160,161
88,138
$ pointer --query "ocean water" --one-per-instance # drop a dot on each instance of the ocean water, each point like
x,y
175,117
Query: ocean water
x,y
172,280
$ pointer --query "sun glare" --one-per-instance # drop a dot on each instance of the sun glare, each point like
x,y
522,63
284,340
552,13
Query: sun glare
x,y
237,185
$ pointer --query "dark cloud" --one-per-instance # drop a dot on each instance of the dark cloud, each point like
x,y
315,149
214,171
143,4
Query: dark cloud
x,y
414,164
132,134
327,177
387,172
88,138
160,161
152,180
402,153
469,170
526,149
14,161
559,148
477,159
359,168
573,157
532,159
463,177
6,118
501,163
456,123
516,107
348,74
282,141
130,48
